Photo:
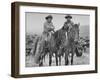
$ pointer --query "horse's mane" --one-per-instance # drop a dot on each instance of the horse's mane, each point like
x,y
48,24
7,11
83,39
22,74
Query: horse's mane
x,y
60,36
71,32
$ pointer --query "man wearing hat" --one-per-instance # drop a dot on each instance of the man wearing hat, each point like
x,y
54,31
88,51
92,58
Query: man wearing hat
x,y
48,28
69,22
46,35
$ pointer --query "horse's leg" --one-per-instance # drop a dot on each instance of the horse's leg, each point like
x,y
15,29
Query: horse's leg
x,y
44,59
41,61
59,60
72,59
66,58
56,59
60,54
50,59
72,56
44,56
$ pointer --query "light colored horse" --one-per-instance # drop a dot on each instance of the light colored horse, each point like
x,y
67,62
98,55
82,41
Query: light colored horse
x,y
44,48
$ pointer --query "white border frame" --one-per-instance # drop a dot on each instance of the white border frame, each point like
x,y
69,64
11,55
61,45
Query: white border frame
x,y
53,69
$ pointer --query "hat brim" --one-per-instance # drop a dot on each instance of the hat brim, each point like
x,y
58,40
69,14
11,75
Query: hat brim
x,y
48,17
68,17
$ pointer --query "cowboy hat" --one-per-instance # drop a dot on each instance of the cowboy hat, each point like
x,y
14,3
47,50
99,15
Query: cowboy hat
x,y
49,16
68,16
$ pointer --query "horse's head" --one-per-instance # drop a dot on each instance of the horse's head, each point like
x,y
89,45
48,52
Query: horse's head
x,y
65,27
73,32
76,29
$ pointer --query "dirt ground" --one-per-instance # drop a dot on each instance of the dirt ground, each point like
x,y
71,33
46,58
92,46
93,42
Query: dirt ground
x,y
83,60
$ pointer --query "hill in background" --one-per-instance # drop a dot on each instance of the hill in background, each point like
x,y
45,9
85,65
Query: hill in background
x,y
84,31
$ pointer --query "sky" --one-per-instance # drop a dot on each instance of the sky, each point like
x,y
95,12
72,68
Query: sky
x,y
34,22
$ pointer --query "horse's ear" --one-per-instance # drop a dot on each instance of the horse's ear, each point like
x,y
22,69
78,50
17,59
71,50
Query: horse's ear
x,y
63,27
78,24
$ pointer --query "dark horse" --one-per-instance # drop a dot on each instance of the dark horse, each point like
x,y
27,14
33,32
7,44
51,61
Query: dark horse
x,y
51,47
55,44
71,42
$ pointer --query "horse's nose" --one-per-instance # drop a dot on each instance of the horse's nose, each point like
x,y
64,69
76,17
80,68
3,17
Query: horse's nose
x,y
76,42
76,39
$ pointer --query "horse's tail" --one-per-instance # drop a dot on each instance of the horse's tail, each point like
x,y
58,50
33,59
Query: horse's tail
x,y
35,46
38,50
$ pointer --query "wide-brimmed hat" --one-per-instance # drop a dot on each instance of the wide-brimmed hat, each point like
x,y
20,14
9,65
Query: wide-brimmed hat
x,y
49,16
68,16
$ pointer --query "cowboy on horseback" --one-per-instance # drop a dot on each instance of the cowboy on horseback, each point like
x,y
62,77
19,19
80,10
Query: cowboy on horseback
x,y
48,28
69,22
45,38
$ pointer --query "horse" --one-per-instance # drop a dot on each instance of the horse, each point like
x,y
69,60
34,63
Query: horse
x,y
71,42
60,41
45,47
55,45
51,47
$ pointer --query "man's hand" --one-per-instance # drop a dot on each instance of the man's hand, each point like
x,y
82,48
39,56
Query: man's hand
x,y
53,31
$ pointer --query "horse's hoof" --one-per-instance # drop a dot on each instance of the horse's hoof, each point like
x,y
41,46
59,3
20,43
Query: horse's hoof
x,y
71,63
66,64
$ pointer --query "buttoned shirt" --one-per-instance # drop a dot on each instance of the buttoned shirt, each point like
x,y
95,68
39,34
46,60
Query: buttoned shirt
x,y
48,27
69,24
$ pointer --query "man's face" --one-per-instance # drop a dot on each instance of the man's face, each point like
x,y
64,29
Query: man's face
x,y
68,19
49,20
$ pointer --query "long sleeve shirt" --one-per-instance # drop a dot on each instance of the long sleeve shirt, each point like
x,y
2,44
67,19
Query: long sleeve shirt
x,y
69,24
48,27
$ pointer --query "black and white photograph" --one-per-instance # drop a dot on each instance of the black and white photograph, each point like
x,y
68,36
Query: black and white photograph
x,y
57,39
51,39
